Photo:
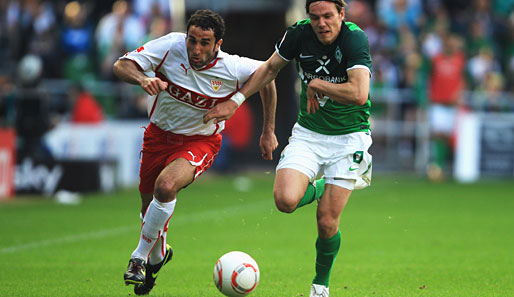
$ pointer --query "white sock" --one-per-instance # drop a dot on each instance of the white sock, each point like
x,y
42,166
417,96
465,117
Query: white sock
x,y
159,251
153,228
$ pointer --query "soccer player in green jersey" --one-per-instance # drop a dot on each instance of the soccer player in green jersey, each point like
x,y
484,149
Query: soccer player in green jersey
x,y
331,136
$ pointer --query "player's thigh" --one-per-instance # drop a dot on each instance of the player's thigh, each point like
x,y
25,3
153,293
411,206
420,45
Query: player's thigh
x,y
176,175
152,163
298,165
185,163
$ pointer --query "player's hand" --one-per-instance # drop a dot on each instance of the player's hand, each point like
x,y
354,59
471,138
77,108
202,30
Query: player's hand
x,y
220,112
153,85
268,144
312,99
312,104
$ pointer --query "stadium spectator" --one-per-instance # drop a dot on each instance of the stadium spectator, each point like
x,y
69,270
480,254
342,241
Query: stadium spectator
x,y
480,65
446,84
331,136
116,33
33,117
18,20
192,74
77,42
401,13
158,27
44,38
85,109
148,10
437,29
509,55
412,77
489,94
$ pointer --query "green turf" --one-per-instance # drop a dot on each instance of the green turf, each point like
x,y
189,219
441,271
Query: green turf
x,y
401,237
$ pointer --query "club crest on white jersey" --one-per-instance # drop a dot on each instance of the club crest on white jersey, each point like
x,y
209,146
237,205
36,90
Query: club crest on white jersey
x,y
216,84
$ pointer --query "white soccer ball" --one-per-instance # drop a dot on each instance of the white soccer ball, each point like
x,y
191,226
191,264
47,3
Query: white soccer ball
x,y
236,274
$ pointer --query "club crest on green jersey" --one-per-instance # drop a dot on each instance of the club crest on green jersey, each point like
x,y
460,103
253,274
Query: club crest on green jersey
x,y
339,55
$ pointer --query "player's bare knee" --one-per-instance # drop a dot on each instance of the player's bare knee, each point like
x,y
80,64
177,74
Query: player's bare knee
x,y
327,224
285,202
165,190
284,206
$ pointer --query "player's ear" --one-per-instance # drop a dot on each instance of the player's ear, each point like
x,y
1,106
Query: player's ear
x,y
342,14
218,44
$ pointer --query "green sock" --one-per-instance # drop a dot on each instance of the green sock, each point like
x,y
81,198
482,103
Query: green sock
x,y
312,193
326,252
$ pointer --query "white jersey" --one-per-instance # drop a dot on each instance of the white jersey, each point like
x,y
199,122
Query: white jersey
x,y
190,93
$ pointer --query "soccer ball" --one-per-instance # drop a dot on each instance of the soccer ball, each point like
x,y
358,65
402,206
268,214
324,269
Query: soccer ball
x,y
236,274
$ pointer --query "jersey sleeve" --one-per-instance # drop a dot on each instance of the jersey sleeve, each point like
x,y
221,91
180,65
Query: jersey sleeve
x,y
151,54
245,67
287,47
357,49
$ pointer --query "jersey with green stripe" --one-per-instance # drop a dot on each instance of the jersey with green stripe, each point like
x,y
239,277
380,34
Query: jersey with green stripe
x,y
330,63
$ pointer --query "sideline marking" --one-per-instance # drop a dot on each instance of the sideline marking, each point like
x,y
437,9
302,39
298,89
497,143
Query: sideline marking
x,y
227,212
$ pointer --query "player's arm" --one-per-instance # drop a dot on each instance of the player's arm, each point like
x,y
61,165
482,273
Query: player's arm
x,y
261,77
127,71
353,92
268,141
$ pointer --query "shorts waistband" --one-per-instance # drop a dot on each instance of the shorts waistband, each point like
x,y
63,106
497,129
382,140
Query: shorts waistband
x,y
154,129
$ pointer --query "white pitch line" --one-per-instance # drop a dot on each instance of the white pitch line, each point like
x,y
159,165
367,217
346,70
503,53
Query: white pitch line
x,y
71,238
231,211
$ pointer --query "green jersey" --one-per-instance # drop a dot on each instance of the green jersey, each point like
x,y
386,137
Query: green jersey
x,y
330,63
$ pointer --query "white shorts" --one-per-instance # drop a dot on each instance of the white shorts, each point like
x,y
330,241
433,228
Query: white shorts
x,y
442,118
342,159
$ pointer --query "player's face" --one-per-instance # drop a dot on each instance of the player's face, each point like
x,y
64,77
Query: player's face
x,y
201,46
325,20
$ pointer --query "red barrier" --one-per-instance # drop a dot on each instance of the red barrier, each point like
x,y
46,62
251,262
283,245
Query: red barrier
x,y
7,163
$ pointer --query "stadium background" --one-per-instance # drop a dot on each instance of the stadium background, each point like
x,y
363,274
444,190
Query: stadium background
x,y
58,93
404,236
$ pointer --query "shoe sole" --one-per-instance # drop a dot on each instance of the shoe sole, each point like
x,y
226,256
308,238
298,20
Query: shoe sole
x,y
132,282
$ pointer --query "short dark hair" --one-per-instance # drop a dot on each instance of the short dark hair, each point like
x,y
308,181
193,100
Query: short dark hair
x,y
207,19
339,4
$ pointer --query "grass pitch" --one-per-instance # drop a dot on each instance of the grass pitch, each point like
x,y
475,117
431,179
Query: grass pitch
x,y
401,237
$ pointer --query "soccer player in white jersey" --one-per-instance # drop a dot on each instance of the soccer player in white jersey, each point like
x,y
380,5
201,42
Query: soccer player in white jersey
x,y
192,75
332,135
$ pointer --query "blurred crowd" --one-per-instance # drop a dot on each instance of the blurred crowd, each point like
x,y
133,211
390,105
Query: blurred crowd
x,y
451,53
79,40
78,37
438,49
76,42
